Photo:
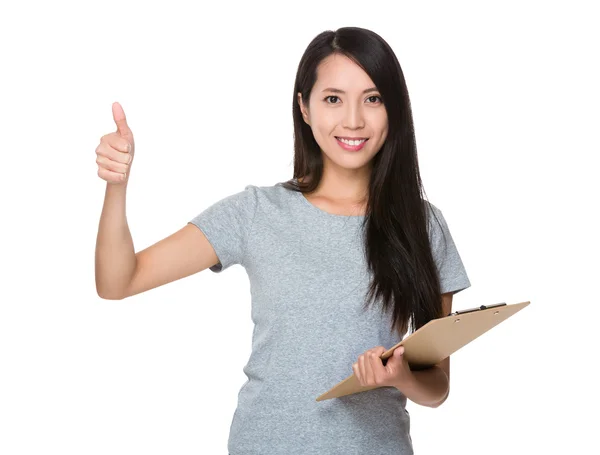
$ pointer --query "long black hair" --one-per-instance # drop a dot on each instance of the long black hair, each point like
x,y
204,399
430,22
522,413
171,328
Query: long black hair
x,y
395,226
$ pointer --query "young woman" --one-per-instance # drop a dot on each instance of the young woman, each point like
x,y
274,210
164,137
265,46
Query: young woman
x,y
344,260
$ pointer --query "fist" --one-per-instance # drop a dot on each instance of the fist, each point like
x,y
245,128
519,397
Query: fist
x,y
371,372
115,151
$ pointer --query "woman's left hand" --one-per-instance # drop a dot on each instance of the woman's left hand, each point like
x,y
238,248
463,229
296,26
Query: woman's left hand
x,y
370,371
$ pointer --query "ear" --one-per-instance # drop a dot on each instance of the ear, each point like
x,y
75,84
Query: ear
x,y
303,109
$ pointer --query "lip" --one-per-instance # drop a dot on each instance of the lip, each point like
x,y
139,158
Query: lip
x,y
352,148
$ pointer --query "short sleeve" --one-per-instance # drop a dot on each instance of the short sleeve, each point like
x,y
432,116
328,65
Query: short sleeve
x,y
452,273
226,224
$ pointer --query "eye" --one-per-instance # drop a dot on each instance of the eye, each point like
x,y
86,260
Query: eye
x,y
334,96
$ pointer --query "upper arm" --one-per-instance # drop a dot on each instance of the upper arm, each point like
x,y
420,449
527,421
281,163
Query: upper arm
x,y
179,255
215,238
452,273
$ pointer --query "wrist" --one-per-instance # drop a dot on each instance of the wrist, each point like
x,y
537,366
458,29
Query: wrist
x,y
408,383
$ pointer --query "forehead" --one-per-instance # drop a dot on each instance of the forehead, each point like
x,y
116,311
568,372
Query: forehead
x,y
338,71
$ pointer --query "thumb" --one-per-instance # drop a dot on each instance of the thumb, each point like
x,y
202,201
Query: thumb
x,y
120,120
398,352
395,360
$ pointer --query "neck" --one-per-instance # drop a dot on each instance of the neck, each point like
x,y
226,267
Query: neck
x,y
347,187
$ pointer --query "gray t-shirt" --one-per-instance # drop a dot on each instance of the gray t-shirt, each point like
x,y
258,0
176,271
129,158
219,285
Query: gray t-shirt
x,y
308,279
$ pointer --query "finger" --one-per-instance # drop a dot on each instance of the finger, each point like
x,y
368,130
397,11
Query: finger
x,y
113,154
118,143
376,365
369,376
110,176
362,369
120,119
111,165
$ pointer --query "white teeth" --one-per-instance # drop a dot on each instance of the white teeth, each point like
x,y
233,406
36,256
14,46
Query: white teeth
x,y
345,141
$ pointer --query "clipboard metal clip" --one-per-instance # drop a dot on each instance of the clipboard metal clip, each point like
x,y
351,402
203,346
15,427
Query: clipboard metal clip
x,y
482,307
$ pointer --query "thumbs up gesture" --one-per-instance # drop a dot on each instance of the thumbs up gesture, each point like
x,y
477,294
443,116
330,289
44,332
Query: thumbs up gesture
x,y
115,151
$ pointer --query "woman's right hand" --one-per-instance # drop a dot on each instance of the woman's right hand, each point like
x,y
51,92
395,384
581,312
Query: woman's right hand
x,y
115,151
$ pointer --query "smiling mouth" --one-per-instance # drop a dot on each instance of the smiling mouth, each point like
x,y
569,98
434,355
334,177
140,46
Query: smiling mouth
x,y
352,146
355,141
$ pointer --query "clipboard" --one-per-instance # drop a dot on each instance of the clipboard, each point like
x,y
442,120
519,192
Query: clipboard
x,y
436,340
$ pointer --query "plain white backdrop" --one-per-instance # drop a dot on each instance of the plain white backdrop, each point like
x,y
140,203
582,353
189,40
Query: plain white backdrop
x,y
505,101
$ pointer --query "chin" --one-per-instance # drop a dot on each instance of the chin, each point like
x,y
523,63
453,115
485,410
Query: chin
x,y
349,163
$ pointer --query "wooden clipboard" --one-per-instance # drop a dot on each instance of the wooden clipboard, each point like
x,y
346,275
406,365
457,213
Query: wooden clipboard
x,y
436,340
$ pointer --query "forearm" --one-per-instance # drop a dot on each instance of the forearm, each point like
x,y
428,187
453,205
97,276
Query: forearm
x,y
115,254
428,387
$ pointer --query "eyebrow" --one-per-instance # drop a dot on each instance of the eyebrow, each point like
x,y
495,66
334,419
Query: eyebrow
x,y
337,90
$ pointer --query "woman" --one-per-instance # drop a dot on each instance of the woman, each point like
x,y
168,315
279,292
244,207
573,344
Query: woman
x,y
344,260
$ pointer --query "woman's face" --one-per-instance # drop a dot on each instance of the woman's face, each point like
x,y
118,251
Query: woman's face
x,y
351,114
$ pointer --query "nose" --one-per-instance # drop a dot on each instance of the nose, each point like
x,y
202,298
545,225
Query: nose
x,y
353,118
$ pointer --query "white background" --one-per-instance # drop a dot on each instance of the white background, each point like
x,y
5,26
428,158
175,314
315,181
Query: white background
x,y
505,101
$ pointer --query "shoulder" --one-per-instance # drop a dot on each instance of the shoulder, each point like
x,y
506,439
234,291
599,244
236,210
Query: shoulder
x,y
268,197
266,191
434,217
432,209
